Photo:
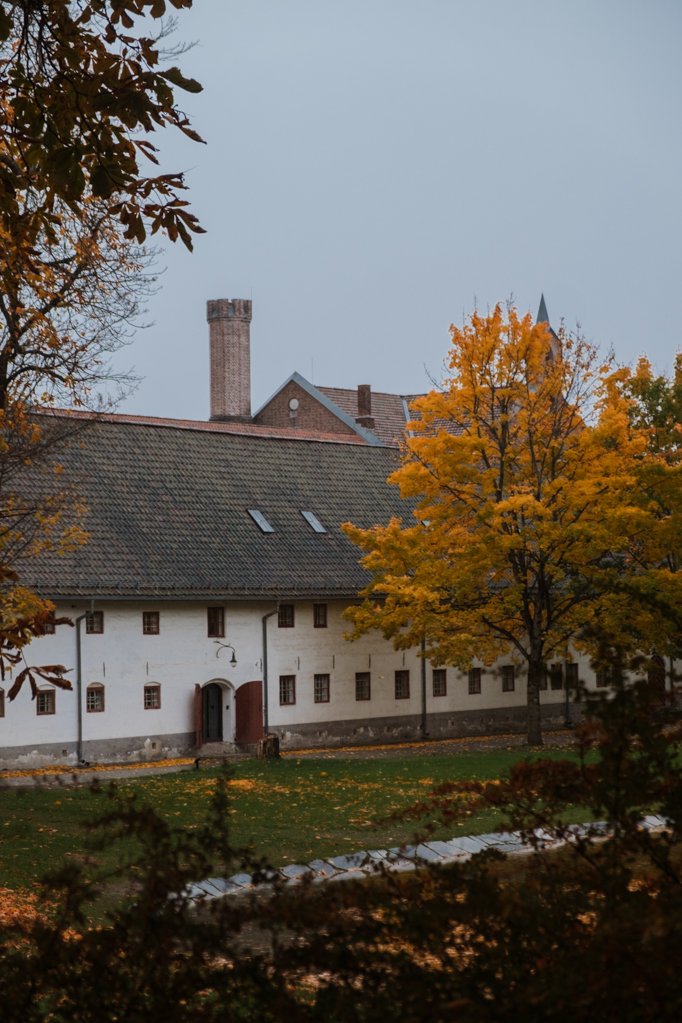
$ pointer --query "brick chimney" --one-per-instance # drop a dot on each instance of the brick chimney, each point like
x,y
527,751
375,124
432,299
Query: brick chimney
x,y
229,323
364,416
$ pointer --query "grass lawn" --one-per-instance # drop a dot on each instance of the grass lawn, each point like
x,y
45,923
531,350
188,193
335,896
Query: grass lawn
x,y
290,810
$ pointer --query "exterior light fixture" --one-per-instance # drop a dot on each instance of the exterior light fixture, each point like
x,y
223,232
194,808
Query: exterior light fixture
x,y
226,646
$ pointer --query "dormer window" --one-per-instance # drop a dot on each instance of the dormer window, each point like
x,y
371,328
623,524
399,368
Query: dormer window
x,y
313,521
260,520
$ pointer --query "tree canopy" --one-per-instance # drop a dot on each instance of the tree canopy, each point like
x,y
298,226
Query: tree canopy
x,y
85,86
524,471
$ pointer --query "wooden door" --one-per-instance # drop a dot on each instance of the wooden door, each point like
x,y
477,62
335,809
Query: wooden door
x,y
249,712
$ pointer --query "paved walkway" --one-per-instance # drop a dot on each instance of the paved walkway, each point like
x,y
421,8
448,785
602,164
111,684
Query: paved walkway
x,y
58,776
358,865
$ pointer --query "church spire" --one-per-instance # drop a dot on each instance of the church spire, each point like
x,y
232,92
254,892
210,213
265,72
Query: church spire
x,y
543,315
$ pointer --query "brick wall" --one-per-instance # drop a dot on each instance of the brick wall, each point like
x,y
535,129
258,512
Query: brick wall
x,y
310,414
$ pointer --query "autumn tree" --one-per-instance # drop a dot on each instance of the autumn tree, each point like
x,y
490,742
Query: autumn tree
x,y
522,470
84,87
655,408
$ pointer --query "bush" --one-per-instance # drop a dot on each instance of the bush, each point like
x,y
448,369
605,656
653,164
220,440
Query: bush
x,y
591,929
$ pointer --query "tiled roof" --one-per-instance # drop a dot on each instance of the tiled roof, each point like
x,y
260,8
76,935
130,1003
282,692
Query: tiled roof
x,y
233,427
168,512
390,412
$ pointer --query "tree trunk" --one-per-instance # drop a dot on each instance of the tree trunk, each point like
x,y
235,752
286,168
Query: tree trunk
x,y
536,670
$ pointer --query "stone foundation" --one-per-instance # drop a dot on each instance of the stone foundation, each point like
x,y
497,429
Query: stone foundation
x,y
407,728
131,750
352,731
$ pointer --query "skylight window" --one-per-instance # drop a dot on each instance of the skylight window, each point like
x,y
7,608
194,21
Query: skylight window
x,y
260,520
313,521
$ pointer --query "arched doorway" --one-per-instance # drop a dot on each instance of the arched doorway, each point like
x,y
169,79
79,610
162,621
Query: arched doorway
x,y
213,712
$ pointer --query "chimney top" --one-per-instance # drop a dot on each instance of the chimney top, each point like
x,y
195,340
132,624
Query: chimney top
x,y
364,416
228,308
229,321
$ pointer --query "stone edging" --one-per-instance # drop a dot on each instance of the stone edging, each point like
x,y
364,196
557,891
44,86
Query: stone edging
x,y
357,865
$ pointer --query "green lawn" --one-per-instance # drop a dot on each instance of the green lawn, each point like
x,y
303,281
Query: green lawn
x,y
290,810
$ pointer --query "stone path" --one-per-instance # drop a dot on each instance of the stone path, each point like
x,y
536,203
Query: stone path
x,y
57,776
104,773
358,865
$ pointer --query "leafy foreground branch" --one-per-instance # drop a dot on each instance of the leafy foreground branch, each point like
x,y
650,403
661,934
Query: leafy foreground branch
x,y
589,930
85,91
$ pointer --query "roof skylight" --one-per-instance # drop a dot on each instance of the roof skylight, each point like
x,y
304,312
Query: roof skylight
x,y
313,521
260,520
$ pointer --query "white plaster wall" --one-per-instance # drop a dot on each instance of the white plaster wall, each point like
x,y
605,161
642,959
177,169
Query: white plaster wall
x,y
124,660
181,655
305,651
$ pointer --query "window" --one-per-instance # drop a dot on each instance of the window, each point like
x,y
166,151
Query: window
x,y
45,701
440,683
474,681
321,689
320,616
49,627
287,689
402,685
2,703
556,676
94,622
285,616
94,698
313,521
363,685
571,675
260,520
150,623
152,697
508,678
542,684
603,677
215,621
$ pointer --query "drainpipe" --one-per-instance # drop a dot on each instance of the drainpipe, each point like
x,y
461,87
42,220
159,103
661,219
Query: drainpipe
x,y
423,658
673,697
264,621
79,687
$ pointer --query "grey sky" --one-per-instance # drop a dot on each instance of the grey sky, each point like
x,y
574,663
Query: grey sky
x,y
375,168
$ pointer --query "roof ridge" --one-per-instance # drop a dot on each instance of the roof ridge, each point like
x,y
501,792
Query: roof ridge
x,y
207,426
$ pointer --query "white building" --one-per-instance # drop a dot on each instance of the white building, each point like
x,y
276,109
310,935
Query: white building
x,y
207,604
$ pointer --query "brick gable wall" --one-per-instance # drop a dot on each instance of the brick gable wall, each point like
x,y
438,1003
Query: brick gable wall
x,y
310,414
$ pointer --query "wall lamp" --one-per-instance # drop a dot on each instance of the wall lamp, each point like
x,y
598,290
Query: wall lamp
x,y
226,646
